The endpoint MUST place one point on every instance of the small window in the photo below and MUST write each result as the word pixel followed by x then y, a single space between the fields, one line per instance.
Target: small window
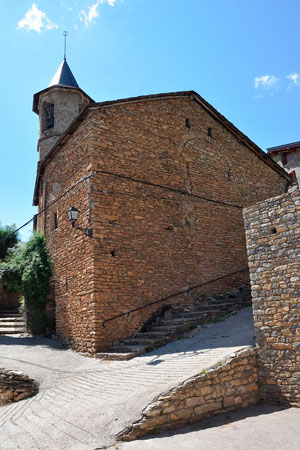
pixel 289 157
pixel 35 219
pixel 54 222
pixel 48 116
pixel 283 159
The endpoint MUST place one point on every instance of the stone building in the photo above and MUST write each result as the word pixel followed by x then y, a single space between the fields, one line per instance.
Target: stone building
pixel 288 157
pixel 160 181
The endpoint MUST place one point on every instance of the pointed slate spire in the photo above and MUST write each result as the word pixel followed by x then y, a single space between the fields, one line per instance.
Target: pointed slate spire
pixel 64 76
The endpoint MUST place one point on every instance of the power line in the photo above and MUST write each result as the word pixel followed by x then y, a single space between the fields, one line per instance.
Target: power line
pixel 180 191
pixel 134 180
pixel 48 206
pixel 18 229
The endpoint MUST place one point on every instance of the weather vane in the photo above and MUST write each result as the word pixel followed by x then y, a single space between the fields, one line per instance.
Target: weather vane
pixel 65 34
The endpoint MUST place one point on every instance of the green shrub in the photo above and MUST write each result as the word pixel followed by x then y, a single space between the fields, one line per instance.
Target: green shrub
pixel 28 271
pixel 8 239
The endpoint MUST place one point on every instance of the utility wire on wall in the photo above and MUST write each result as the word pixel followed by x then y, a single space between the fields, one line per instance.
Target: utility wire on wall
pixel 134 180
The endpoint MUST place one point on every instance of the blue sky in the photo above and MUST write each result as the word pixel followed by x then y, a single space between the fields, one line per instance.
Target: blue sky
pixel 241 55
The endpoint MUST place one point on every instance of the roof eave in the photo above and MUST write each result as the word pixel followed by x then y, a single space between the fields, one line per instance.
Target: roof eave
pixel 35 106
pixel 284 148
pixel 241 137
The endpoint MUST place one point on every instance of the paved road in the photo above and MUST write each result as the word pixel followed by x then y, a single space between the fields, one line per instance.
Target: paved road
pixel 84 402
pixel 260 427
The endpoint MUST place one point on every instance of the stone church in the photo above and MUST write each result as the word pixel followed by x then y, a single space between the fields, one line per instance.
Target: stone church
pixel 159 183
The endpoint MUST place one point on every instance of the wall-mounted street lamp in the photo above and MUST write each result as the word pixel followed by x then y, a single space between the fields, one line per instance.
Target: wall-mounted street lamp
pixel 72 216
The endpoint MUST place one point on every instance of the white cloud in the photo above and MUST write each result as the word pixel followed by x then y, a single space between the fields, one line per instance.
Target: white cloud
pixel 36 20
pixel 295 78
pixel 87 17
pixel 67 8
pixel 266 82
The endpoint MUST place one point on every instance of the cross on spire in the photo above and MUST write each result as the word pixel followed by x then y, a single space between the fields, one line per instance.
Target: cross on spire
pixel 65 34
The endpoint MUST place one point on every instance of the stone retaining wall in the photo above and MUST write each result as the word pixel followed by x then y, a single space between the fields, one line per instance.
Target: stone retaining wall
pixel 229 385
pixel 273 243
pixel 15 386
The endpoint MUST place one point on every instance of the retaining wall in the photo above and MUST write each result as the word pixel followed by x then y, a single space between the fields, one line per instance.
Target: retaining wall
pixel 228 386
pixel 15 386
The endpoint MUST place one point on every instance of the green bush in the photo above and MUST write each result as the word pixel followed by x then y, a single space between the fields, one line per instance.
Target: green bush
pixel 8 239
pixel 28 271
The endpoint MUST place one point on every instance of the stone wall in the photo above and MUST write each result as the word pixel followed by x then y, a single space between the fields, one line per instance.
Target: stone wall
pixel 230 385
pixel 273 243
pixel 71 251
pixel 15 386
pixel 154 232
pixel 67 105
pixel 294 164
pixel 152 241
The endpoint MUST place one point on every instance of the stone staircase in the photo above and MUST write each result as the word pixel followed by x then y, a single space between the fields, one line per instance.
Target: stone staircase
pixel 172 324
pixel 11 322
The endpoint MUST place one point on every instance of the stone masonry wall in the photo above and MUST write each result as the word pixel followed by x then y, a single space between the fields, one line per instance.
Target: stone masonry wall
pixel 149 240
pixel 273 243
pixel 231 385
pixel 294 164
pixel 67 105
pixel 71 251
pixel 15 386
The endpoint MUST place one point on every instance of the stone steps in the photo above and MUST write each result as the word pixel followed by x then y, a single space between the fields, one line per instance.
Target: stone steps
pixel 172 328
pixel 13 313
pixel 12 330
pixel 11 322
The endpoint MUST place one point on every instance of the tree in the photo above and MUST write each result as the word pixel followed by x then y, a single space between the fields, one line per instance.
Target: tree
pixel 8 239
pixel 28 271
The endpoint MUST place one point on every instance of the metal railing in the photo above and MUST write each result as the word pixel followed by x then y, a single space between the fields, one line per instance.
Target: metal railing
pixel 182 291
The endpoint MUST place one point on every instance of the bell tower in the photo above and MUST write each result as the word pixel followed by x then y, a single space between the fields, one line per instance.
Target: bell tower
pixel 57 106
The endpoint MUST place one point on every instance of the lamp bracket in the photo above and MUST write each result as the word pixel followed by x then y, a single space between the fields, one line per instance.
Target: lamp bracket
pixel 87 231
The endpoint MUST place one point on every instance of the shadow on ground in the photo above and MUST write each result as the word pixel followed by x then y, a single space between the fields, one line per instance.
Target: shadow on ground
pixel 223 420
pixel 30 341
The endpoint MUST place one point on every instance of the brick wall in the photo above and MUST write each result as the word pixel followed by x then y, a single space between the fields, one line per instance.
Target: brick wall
pixel 148 241
pixel 273 243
